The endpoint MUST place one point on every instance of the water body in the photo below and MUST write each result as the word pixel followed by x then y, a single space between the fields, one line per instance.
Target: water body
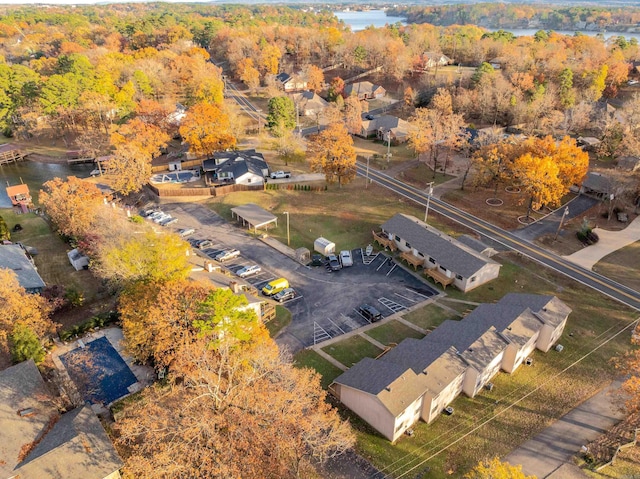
pixel 35 174
pixel 378 18
pixel 361 20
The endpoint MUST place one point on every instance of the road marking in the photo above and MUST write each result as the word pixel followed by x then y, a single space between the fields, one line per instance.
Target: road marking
pixel 341 330
pixel 404 297
pixel 319 334
pixel 392 305
pixel 392 268
pixel 378 268
pixel 362 316
pixel 482 227
pixel 419 294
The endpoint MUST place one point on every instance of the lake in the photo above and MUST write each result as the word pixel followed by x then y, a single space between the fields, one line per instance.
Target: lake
pixel 361 20
pixel 35 174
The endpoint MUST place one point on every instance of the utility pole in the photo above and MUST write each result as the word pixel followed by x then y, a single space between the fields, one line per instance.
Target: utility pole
pixel 564 214
pixel 258 111
pixel 366 185
pixel 388 146
pixel 426 211
pixel 288 242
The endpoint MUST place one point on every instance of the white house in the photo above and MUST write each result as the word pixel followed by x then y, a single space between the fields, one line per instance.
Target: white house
pixel 243 167
pixel 290 83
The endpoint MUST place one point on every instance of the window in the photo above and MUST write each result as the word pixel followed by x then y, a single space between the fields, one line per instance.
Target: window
pixel 400 426
pixel 431 260
pixel 398 238
pixel 443 268
pixel 421 255
pixel 248 180
pixel 459 277
pixel 408 245
pixel 473 278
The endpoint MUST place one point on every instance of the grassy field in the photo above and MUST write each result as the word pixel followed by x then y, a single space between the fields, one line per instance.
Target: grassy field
pixel 420 176
pixel 310 359
pixel 393 332
pixel 622 266
pixel 430 316
pixel 52 261
pixel 281 321
pixel 521 404
pixel 352 350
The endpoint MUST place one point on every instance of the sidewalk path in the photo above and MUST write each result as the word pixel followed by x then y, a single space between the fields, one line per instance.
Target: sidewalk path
pixel 610 241
pixel 552 448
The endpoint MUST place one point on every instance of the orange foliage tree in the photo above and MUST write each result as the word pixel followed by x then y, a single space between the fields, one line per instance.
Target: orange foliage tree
pixel 207 129
pixel 495 469
pixel 332 153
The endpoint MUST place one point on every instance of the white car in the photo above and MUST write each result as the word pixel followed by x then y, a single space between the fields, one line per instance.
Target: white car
pixel 227 255
pixel 161 218
pixel 345 258
pixel 249 271
pixel 184 232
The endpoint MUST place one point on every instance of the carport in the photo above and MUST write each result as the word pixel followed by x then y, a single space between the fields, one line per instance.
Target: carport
pixel 253 215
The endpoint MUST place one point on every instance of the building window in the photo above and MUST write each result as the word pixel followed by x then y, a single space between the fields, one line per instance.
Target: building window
pixel 400 426
pixel 408 245
pixel 420 254
pixel 473 278
pixel 398 238
pixel 443 268
pixel 248 180
pixel 431 260
pixel 459 277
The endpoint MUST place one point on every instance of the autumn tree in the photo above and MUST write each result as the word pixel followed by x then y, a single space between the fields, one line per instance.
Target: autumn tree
pixel 145 138
pixel 249 74
pixel 496 469
pixel 315 79
pixel 332 153
pixel 207 129
pixel 282 115
pixel 231 393
pixel 353 114
pixel 22 316
pixel 336 88
pixel 130 169
pixel 71 205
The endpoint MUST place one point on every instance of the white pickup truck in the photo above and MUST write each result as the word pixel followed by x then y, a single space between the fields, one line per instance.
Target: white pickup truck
pixel 280 174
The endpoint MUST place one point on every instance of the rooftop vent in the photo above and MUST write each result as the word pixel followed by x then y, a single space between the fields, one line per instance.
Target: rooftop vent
pixel 26 412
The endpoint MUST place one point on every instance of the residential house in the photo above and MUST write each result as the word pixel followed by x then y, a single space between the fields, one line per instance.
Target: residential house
pixel 242 167
pixel 291 83
pixel 38 441
pixel 629 163
pixel 418 378
pixel 309 103
pixel 19 195
pixel 384 125
pixel 365 90
pixel 445 259
pixel 597 185
pixel 13 257
pixel 434 59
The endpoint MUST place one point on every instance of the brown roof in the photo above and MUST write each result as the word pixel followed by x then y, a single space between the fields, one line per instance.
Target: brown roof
pixel 22 189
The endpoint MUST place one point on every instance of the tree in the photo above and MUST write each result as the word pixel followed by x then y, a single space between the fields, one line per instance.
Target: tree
pixel 231 394
pixel 353 114
pixel 71 205
pixel 315 79
pixel 495 469
pixel 130 169
pixel 249 74
pixel 289 147
pixel 332 153
pixel 5 234
pixel 145 138
pixel 21 310
pixel 282 115
pixel 207 129
pixel 567 96
pixel 147 256
pixel 336 88
pixel 24 345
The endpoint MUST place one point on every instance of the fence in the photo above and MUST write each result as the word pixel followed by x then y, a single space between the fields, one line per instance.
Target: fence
pixel 620 448
pixel 184 163
pixel 212 191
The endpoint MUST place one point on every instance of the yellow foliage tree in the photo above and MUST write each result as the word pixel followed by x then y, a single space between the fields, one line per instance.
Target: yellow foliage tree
pixel 332 153
pixel 207 129
pixel 495 469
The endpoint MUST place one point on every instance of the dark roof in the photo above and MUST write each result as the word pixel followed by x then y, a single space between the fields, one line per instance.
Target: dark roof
pixel 361 87
pixel 597 182
pixel 239 162
pixel 14 258
pixel 371 375
pixel 447 252
pixel 473 243
pixel 283 77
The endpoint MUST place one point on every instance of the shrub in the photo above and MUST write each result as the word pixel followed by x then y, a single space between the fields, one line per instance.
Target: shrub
pixel 24 344
pixel 99 321
pixel 5 234
pixel 137 219
pixel 74 296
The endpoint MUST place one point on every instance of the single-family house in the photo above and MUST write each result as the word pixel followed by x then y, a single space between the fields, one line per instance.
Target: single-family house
pixel 418 378
pixel 434 59
pixel 290 83
pixel 242 167
pixel 309 103
pixel 38 441
pixel 384 125
pixel 445 259
pixel 629 163
pixel 365 90
pixel 14 258
pixel 597 185
pixel 19 195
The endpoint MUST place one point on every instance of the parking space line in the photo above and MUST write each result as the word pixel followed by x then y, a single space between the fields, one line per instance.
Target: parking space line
pixel 319 333
pixel 378 268
pixel 341 330
pixel 392 305
pixel 419 294
pixel 362 316
pixel 404 297
pixel 292 299
pixel 392 268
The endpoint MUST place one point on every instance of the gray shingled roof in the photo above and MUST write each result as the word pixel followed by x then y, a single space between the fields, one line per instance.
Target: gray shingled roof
pixel 597 182
pixel 473 243
pixel 238 162
pixel 361 88
pixel 13 257
pixel 447 251
pixel 371 376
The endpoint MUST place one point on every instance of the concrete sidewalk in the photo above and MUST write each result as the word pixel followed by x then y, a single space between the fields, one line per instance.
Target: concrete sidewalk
pixel 550 450
pixel 610 241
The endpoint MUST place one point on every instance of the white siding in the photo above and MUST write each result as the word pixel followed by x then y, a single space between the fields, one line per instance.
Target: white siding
pixel 369 408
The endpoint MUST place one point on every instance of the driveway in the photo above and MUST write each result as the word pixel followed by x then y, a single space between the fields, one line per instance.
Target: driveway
pixel 547 452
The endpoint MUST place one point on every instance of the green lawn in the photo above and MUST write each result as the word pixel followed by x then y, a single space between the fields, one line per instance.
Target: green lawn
pixel 310 359
pixel 281 321
pixel 462 308
pixel 622 266
pixel 420 176
pixel 393 332
pixel 352 350
pixel 430 316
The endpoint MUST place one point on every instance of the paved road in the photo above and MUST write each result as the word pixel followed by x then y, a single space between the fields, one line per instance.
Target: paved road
pixel 509 240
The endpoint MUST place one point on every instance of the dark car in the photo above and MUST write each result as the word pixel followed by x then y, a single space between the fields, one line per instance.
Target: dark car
pixel 334 262
pixel 370 313
pixel 285 295
pixel 205 243
pixel 317 260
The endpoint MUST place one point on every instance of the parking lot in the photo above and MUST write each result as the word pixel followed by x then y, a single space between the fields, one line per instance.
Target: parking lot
pixel 327 302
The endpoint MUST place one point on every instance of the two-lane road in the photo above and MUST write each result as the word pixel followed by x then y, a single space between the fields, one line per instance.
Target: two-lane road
pixel 600 283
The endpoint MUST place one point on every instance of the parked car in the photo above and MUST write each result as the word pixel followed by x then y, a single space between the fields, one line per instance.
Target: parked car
pixel 285 295
pixel 159 219
pixel 205 243
pixel 280 174
pixel 249 271
pixel 370 313
pixel 275 286
pixel 184 232
pixel 155 214
pixel 345 258
pixel 227 255
pixel 317 260
pixel 168 221
pixel 334 262
pixel 147 212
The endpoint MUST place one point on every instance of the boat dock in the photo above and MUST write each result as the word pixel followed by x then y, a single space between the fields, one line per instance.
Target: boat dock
pixel 10 153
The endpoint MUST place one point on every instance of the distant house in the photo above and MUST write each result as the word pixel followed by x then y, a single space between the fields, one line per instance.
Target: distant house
pixel 38 441
pixel 386 124
pixel 445 259
pixel 291 83
pixel 309 103
pixel 629 163
pixel 434 59
pixel 20 195
pixel 176 116
pixel 597 185
pixel 418 378
pixel 365 90
pixel 13 257
pixel 243 167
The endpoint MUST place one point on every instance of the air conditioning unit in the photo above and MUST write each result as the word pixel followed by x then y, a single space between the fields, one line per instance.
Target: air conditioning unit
pixel 528 361
pixel 559 348
pixel 489 386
